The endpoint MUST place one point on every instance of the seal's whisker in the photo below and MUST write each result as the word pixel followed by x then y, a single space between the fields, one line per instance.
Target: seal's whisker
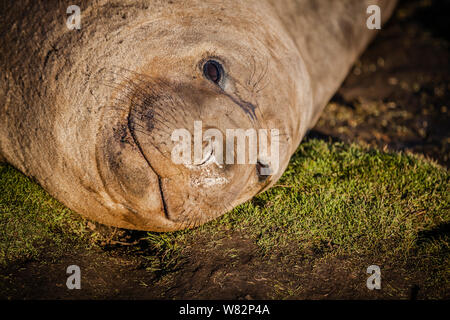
pixel 263 74
pixel 155 109
pixel 144 89
pixel 144 95
pixel 253 67
pixel 157 149
pixel 265 85
pixel 159 121
pixel 145 132
pixel 128 70
pixel 280 135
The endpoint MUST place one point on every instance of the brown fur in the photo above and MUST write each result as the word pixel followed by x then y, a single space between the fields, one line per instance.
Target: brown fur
pixel 89 113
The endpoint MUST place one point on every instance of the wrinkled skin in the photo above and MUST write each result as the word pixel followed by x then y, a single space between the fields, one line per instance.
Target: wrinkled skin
pixel 89 113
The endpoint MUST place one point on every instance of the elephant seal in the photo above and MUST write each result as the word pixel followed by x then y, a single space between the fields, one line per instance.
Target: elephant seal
pixel 90 113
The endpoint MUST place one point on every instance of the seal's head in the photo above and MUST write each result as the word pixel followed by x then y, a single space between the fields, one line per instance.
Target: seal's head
pixel 207 120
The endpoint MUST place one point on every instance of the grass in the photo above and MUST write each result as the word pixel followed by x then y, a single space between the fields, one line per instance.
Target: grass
pixel 341 198
pixel 333 197
pixel 32 223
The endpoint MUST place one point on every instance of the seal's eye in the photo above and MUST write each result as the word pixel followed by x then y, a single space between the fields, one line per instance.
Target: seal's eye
pixel 213 71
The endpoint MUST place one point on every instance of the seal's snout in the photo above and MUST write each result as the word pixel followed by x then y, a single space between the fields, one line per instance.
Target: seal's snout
pixel 181 123
pixel 173 137
pixel 263 170
pixel 166 150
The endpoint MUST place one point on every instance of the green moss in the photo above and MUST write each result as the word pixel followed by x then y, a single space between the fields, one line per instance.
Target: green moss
pixel 32 223
pixel 333 197
pixel 342 199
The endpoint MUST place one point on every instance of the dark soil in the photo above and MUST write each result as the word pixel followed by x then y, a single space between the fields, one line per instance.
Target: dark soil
pixel 396 97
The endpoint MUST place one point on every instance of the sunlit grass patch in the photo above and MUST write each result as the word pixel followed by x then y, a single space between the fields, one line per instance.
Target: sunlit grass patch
pixel 32 223
pixel 333 197
pixel 340 198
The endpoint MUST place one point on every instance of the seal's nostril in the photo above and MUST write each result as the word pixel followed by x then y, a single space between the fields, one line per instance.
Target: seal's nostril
pixel 208 157
pixel 208 153
pixel 263 170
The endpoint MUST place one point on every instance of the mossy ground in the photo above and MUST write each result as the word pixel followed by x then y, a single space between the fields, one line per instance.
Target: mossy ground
pixel 32 222
pixel 334 199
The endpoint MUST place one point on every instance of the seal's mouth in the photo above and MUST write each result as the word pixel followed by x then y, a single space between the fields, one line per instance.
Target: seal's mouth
pixel 209 156
pixel 192 194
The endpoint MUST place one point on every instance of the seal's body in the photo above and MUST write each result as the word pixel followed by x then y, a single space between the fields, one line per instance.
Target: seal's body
pixel 89 113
